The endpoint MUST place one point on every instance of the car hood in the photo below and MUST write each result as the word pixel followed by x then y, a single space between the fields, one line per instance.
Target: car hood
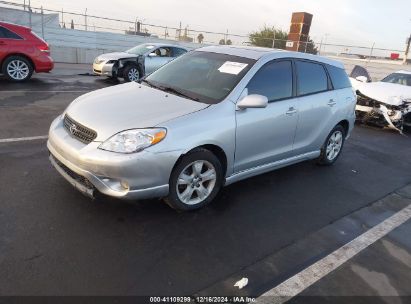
pixel 116 56
pixel 389 93
pixel 128 106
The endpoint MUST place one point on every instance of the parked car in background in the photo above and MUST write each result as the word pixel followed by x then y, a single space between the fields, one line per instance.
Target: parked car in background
pixel 137 62
pixel 212 117
pixel 385 103
pixel 22 52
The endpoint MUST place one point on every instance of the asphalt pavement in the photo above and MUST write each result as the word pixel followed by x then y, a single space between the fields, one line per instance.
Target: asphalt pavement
pixel 54 241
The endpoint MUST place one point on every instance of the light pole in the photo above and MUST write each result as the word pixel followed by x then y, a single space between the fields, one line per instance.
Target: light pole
pixel 407 50
pixel 325 40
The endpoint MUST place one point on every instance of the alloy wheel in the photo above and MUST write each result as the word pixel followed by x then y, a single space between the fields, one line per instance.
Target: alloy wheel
pixel 196 182
pixel 334 145
pixel 133 74
pixel 18 70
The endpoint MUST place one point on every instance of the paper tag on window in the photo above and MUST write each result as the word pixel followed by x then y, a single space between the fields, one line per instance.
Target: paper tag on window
pixel 234 68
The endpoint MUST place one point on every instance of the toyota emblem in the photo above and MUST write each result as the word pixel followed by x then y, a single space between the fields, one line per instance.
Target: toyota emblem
pixel 73 129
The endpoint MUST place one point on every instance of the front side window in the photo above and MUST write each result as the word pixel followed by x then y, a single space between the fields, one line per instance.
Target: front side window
pixel 274 80
pixel 311 78
pixel 398 78
pixel 203 76
pixel 162 52
pixel 339 77
pixel 141 49
pixel 178 52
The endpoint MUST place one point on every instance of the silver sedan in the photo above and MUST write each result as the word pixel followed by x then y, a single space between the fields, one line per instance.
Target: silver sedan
pixel 136 62
pixel 210 118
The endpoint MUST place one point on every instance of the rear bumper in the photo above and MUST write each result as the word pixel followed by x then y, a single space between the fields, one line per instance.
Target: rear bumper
pixel 44 64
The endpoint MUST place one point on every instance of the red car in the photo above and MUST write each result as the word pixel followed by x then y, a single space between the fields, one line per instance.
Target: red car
pixel 22 52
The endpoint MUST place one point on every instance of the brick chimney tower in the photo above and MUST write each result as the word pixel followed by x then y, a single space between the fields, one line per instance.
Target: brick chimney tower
pixel 299 31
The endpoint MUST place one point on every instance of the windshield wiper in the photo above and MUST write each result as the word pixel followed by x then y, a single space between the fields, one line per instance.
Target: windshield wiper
pixel 152 84
pixel 169 90
pixel 178 92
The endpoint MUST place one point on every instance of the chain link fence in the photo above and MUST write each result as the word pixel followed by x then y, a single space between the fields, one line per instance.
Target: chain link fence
pixel 42 17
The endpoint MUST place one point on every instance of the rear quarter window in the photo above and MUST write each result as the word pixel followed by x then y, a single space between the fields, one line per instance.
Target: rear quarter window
pixel 339 77
pixel 6 33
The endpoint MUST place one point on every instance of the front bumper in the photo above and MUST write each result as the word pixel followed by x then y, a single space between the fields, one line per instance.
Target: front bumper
pixel 135 176
pixel 104 69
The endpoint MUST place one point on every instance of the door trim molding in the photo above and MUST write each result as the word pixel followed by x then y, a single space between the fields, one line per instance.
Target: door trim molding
pixel 270 167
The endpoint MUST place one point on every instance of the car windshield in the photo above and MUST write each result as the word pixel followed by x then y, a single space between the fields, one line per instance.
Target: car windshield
pixel 399 78
pixel 201 76
pixel 140 49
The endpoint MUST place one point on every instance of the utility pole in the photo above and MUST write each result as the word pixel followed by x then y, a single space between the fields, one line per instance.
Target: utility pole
pixel 85 19
pixel 407 50
pixel 273 38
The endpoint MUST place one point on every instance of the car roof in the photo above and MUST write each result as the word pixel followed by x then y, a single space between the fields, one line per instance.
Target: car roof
pixel 257 53
pixel 157 44
pixel 404 72
pixel 13 25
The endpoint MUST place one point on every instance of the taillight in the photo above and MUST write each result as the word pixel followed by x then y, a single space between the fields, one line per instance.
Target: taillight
pixel 44 48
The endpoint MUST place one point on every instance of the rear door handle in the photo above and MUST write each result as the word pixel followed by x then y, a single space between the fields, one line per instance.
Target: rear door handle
pixel 291 111
pixel 332 102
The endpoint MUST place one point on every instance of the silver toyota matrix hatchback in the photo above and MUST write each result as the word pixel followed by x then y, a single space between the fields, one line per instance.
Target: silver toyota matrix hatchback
pixel 207 119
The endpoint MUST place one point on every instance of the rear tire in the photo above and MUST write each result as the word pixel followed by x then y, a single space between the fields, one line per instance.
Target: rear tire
pixel 195 181
pixel 17 69
pixel 332 147
pixel 132 73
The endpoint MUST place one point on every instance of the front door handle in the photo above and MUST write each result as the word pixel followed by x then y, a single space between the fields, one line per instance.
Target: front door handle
pixel 332 102
pixel 291 111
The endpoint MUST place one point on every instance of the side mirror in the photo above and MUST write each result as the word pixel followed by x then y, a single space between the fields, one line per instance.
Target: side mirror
pixel 361 78
pixel 253 101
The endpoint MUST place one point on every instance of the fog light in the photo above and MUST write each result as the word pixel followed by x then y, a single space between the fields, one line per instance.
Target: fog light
pixel 124 184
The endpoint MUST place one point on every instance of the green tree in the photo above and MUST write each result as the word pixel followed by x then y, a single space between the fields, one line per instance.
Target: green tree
pixel 222 42
pixel 311 47
pixel 200 38
pixel 229 42
pixel 264 37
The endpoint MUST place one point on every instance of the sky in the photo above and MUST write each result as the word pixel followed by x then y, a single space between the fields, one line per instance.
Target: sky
pixel 358 22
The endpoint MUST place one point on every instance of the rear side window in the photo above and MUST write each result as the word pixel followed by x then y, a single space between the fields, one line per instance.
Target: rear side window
pixel 274 80
pixel 339 77
pixel 5 33
pixel 178 52
pixel 311 78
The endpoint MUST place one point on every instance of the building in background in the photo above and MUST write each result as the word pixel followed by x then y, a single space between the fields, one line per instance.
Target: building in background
pixel 299 31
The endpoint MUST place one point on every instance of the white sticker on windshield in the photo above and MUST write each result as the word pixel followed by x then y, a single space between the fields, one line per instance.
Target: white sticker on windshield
pixel 234 68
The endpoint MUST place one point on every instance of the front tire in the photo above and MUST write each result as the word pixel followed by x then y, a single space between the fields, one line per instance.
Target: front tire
pixel 195 181
pixel 332 147
pixel 131 73
pixel 17 69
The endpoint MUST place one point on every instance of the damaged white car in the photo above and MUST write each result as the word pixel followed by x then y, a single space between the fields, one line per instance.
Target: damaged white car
pixel 385 103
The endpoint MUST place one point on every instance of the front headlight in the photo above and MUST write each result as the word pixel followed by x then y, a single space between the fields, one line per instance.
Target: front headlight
pixel 135 140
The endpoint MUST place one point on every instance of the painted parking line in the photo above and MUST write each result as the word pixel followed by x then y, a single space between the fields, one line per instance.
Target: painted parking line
pixel 8 140
pixel 307 277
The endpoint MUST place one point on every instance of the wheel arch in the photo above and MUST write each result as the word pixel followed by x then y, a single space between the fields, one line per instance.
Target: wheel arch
pixel 346 125
pixel 18 55
pixel 215 149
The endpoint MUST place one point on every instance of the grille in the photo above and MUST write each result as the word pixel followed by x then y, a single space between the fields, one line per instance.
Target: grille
pixel 79 131
pixel 81 179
